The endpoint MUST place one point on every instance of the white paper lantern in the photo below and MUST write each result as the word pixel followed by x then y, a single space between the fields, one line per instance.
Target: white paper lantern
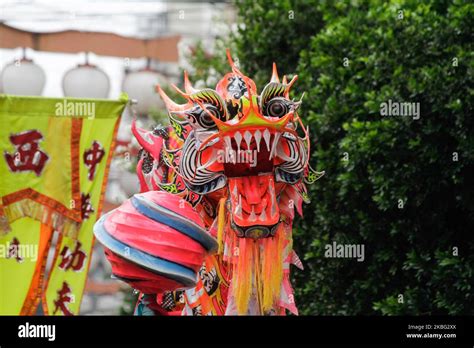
pixel 86 81
pixel 140 85
pixel 22 77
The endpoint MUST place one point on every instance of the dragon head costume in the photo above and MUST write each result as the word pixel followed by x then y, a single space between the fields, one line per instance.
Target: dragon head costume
pixel 211 231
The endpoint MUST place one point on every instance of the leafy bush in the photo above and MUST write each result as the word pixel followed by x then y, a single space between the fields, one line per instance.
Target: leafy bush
pixel 401 187
pixel 392 183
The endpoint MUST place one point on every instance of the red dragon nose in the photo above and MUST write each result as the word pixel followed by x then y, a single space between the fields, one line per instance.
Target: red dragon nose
pixel 253 201
pixel 252 190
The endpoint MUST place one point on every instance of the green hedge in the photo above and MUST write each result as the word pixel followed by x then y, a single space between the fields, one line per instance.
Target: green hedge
pixel 393 184
pixel 408 52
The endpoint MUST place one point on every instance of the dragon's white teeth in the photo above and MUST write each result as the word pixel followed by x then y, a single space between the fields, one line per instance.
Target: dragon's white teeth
pixel 228 143
pixel 248 138
pixel 263 216
pixel 271 190
pixel 280 152
pixel 208 163
pixel 238 211
pixel 234 191
pixel 252 216
pixel 258 136
pixel 273 210
pixel 212 142
pixel 238 139
pixel 266 137
pixel 289 136
pixel 274 145
pixel 238 208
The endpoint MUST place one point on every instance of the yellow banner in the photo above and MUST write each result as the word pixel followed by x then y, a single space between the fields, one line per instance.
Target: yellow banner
pixel 53 175
pixel 22 252
pixel 63 294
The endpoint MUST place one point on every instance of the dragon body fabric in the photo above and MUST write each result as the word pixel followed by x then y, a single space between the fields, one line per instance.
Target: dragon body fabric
pixel 211 231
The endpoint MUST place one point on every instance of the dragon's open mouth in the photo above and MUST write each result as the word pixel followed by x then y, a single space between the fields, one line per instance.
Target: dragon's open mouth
pixel 249 170
pixel 249 161
pixel 249 153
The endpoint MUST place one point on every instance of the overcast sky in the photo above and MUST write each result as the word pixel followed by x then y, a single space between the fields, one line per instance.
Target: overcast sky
pixel 116 16
pixel 137 18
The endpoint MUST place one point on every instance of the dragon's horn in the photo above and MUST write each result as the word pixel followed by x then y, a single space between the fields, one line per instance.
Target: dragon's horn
pixel 170 105
pixel 187 84
pixel 249 91
pixel 235 70
pixel 289 85
pixel 184 94
pixel 275 77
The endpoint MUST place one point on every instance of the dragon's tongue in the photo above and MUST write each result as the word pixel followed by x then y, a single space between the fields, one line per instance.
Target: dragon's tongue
pixel 253 200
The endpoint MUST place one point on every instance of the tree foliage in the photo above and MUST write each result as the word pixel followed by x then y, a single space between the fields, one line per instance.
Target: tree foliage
pixel 402 187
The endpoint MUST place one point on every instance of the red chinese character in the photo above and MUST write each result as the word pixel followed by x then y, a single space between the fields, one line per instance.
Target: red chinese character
pixel 64 297
pixel 14 250
pixel 28 156
pixel 72 259
pixel 92 158
pixel 86 206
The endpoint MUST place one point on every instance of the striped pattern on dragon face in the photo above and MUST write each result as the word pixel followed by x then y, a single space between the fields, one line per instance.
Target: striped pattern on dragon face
pixel 234 143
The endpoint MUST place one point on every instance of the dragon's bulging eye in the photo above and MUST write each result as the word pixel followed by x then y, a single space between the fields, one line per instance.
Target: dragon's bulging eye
pixel 205 118
pixel 277 107
pixel 201 117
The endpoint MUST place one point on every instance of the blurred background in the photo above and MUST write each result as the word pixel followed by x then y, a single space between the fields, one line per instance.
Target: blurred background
pixel 98 49
pixel 402 187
